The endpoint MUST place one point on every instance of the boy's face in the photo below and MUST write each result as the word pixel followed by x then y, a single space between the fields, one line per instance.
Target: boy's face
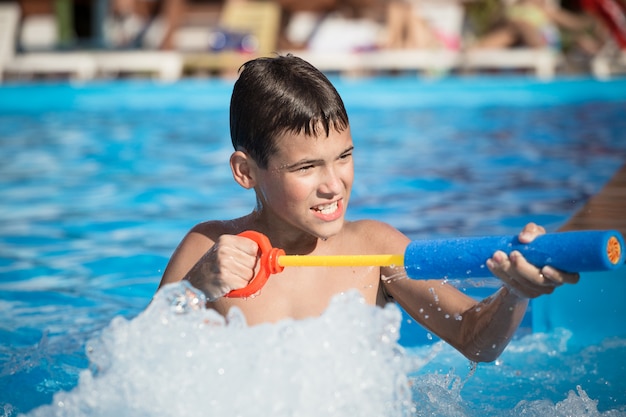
pixel 308 181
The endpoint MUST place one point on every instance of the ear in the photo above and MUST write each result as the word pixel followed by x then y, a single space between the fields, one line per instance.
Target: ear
pixel 244 169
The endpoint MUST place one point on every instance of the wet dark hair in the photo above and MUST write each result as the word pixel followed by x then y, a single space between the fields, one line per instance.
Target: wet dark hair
pixel 278 95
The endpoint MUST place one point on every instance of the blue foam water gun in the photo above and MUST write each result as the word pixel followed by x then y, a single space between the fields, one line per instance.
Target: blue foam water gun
pixel 576 251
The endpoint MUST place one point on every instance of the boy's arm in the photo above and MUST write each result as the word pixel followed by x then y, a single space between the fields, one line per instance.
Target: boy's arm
pixel 193 246
pixel 480 330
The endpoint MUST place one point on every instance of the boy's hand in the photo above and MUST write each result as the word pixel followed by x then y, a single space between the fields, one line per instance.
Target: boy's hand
pixel 522 278
pixel 228 265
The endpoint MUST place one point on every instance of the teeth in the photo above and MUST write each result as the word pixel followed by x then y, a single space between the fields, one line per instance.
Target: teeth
pixel 328 209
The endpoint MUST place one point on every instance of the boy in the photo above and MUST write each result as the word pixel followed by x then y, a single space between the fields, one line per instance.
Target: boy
pixel 293 146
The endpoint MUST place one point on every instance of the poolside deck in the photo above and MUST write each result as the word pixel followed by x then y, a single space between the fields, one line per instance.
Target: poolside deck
pixel 605 210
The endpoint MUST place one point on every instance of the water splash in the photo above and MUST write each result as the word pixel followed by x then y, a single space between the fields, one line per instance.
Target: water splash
pixel 177 358
pixel 536 376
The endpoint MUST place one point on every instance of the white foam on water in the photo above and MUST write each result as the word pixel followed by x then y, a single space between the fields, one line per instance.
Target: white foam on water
pixel 440 395
pixel 178 358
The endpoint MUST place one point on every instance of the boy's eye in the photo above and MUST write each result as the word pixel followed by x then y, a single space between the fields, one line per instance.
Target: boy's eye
pixel 347 154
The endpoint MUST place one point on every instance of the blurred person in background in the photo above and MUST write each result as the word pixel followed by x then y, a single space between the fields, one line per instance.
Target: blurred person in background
pixel 540 24
pixel 424 24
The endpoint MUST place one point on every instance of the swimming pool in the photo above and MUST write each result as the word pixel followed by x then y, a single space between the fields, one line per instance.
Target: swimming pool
pixel 100 182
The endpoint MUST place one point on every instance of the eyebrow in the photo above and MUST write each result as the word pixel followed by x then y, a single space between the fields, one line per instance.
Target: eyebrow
pixel 312 161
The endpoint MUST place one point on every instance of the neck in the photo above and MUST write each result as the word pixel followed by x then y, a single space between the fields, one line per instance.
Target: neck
pixel 283 235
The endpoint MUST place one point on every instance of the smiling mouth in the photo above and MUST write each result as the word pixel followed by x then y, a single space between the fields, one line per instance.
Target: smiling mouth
pixel 327 208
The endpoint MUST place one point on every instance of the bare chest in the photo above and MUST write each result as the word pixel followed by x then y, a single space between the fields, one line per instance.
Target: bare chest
pixel 300 292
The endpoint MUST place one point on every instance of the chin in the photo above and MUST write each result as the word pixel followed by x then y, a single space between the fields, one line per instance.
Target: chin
pixel 330 230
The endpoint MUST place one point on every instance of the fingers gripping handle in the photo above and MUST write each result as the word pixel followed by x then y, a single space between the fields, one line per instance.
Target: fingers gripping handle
pixel 268 264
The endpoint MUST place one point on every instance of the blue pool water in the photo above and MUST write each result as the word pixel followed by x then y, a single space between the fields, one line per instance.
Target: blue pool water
pixel 99 182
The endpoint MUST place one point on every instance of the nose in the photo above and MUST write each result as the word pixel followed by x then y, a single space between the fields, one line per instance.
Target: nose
pixel 330 183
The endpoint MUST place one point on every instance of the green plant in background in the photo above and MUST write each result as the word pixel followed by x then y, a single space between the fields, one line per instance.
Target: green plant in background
pixel 65 19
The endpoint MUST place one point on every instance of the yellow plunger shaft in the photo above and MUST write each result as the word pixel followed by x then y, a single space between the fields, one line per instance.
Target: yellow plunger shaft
pixel 341 260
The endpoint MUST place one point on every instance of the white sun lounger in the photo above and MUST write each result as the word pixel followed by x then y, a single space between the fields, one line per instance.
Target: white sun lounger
pixel 383 60
pixel 79 65
pixel 165 65
pixel 543 62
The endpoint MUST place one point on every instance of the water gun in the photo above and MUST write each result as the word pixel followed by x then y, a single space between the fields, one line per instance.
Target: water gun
pixel 576 251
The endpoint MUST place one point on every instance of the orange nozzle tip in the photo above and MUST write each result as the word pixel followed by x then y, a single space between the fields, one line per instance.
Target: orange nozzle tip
pixel 614 250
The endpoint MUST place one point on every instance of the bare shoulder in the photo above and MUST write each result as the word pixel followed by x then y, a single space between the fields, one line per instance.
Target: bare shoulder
pixel 370 226
pixel 210 230
pixel 203 236
pixel 378 236
pixel 194 245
